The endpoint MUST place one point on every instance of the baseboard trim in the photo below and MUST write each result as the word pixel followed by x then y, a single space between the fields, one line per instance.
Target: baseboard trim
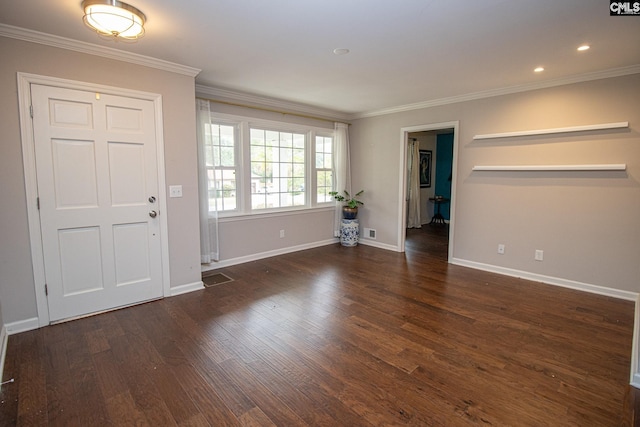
pixel 184 289
pixel 268 254
pixel 4 339
pixel 369 242
pixel 22 326
pixel 635 351
pixel 549 280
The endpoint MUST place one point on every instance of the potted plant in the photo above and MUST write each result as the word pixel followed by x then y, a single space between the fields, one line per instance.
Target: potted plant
pixel 351 203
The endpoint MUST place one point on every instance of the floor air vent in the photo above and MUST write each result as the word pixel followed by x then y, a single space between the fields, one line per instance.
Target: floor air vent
pixel 215 279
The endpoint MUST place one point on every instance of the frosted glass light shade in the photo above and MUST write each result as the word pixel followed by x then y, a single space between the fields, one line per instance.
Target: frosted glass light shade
pixel 114 18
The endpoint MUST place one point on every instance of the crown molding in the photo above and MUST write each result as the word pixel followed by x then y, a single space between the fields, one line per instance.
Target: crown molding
pixel 280 104
pixel 147 61
pixel 615 72
pixel 226 94
pixel 92 49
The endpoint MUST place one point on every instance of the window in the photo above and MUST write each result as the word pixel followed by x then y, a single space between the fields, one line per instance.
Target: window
pixel 221 167
pixel 277 169
pixel 324 168
pixel 261 165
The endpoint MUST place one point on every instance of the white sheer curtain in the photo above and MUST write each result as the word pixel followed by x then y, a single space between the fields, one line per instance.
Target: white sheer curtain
pixel 413 188
pixel 209 247
pixel 342 167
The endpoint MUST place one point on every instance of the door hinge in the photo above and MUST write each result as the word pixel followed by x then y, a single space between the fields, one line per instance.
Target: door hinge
pixel 38 202
pixel 31 111
pixel 46 290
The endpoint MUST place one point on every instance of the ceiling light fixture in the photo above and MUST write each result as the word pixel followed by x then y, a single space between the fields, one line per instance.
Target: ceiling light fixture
pixel 539 69
pixel 584 47
pixel 114 18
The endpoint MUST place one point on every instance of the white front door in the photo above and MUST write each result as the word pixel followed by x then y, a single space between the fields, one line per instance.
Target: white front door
pixel 97 182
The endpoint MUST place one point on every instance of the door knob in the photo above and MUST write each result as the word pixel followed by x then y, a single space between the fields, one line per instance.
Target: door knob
pixel 152 199
pixel 153 214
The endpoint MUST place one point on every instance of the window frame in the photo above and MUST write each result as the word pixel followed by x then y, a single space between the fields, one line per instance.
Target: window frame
pixel 235 167
pixel 316 169
pixel 243 126
pixel 280 162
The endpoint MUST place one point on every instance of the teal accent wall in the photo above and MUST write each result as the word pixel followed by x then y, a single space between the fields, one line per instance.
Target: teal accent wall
pixel 444 164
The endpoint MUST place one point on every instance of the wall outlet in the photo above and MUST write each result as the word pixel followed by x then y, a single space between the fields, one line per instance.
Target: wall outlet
pixel 539 256
pixel 501 249
pixel 281 234
pixel 369 233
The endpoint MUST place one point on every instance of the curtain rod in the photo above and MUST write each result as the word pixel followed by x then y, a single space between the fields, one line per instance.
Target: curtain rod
pixel 271 110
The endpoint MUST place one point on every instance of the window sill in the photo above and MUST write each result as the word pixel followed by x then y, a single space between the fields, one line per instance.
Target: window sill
pixel 272 213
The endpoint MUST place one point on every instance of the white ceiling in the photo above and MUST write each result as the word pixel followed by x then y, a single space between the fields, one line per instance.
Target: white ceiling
pixel 402 51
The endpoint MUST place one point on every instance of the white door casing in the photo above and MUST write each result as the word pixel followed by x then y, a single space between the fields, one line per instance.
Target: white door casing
pixel 402 191
pixel 97 160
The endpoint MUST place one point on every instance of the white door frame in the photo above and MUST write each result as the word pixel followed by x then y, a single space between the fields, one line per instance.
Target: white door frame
pixel 402 211
pixel 30 177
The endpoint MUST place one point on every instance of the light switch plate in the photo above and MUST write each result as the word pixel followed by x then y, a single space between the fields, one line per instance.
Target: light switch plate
pixel 175 191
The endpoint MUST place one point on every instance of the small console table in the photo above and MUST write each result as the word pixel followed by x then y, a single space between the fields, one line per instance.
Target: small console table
pixel 437 217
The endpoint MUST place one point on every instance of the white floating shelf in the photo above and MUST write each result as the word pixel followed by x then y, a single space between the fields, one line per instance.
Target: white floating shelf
pixel 524 168
pixel 602 126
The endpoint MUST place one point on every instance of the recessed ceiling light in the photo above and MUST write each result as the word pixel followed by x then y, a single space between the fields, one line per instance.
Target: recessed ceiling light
pixel 539 69
pixel 341 51
pixel 584 47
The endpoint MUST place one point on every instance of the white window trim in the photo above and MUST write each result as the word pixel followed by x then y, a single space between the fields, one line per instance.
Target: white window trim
pixel 315 170
pixel 237 155
pixel 243 125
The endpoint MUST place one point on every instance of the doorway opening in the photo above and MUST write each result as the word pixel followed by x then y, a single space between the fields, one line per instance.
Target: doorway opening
pixel 429 211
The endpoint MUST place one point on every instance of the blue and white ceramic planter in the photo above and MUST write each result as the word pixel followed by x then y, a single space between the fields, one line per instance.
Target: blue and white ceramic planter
pixel 349 232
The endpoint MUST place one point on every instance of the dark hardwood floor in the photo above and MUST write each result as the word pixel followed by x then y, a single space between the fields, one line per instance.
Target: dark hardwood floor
pixel 336 336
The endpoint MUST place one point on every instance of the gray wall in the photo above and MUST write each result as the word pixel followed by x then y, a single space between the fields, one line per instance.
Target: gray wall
pixel 16 277
pixel 587 223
